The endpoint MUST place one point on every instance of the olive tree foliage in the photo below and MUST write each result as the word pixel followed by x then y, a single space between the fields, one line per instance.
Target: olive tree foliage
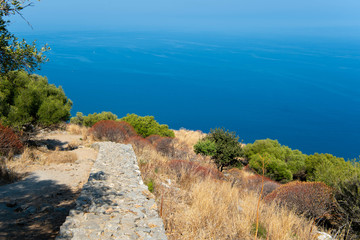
pixel 223 147
pixel 17 54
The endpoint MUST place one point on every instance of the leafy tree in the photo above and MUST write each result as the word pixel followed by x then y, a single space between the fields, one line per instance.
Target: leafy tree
pixel 146 126
pixel 15 54
pixel 30 100
pixel 227 147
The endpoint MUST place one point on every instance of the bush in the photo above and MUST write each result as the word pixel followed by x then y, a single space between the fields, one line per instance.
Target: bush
pixel 205 147
pixel 114 131
pixel 9 141
pixel 91 119
pixel 227 147
pixel 146 126
pixel 255 181
pixel 274 168
pixel 151 184
pixel 165 146
pixel 138 142
pixel 348 199
pixel 31 100
pixel 328 169
pixel 283 161
pixel 314 200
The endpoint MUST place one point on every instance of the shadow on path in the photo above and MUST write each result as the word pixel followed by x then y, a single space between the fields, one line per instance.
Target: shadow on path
pixel 33 208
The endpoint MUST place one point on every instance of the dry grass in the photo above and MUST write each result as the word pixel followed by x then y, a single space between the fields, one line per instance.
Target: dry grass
pixel 32 157
pixel 189 137
pixel 215 210
pixel 8 175
pixel 194 207
pixel 79 130
pixel 87 138
pixel 76 129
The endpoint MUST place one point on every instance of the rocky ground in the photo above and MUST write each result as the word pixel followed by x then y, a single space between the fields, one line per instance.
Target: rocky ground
pixel 114 203
pixel 36 206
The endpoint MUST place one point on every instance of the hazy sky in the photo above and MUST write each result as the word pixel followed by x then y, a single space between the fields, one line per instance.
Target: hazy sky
pixel 208 15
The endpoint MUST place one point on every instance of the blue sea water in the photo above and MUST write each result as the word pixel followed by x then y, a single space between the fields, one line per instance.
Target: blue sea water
pixel 303 91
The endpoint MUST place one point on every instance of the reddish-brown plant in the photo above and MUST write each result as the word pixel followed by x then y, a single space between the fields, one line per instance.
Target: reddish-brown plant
pixel 254 182
pixel 114 131
pixel 193 168
pixel 9 141
pixel 153 138
pixel 165 146
pixel 138 142
pixel 313 199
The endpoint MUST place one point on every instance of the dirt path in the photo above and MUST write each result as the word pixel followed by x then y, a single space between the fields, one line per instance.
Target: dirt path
pixel 35 207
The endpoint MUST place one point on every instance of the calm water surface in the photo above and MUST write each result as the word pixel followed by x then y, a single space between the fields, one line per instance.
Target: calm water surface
pixel 303 91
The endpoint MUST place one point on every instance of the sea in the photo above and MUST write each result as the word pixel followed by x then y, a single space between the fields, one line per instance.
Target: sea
pixel 303 91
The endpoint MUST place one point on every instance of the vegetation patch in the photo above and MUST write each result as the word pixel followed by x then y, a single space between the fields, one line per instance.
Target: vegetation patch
pixel 110 130
pixel 314 199
pixel 223 147
pixel 91 119
pixel 146 126
pixel 30 100
pixel 9 141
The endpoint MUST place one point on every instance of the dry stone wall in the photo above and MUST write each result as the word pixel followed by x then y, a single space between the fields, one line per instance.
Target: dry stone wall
pixel 114 203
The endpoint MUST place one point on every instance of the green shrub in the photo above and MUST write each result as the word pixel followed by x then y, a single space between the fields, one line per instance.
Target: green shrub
pixel 227 147
pixel 91 119
pixel 78 119
pixel 146 126
pixel 274 168
pixel 272 147
pixel 261 231
pixel 205 147
pixel 328 169
pixel 150 184
pixel 284 164
pixel 30 100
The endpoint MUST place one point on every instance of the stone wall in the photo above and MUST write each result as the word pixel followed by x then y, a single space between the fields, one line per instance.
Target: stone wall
pixel 114 203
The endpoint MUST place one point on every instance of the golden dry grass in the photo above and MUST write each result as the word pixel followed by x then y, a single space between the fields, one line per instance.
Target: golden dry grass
pixel 215 210
pixel 189 137
pixel 76 129
pixel 194 208
pixel 80 130
pixel 32 157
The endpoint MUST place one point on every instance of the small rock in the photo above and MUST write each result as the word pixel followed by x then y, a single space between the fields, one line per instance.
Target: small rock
pixel 11 204
pixel 323 236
